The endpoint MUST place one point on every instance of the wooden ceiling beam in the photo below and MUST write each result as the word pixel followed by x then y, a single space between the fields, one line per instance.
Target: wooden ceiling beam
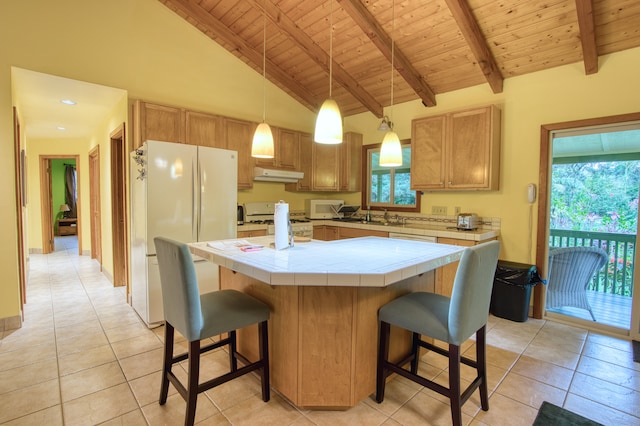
pixel 315 52
pixel 361 15
pixel 213 25
pixel 586 24
pixel 475 39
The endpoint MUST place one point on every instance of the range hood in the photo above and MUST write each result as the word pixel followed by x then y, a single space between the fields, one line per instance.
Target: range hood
pixel 272 175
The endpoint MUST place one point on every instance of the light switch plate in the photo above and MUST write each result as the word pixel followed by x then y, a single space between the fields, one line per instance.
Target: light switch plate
pixel 439 210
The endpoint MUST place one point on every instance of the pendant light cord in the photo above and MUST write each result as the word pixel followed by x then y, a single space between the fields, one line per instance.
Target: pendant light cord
pixel 330 45
pixel 393 27
pixel 264 63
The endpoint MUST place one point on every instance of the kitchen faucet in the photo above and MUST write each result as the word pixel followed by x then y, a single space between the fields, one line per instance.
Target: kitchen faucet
pixel 386 216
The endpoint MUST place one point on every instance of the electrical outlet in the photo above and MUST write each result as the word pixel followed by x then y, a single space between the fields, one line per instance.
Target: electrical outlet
pixel 439 210
pixel 457 209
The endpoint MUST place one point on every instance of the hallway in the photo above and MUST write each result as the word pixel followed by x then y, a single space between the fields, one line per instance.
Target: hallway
pixel 84 357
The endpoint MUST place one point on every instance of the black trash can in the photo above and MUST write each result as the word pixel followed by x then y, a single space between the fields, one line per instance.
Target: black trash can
pixel 512 286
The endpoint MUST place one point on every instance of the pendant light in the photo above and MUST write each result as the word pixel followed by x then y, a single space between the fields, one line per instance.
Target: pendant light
pixel 262 146
pixel 329 121
pixel 391 150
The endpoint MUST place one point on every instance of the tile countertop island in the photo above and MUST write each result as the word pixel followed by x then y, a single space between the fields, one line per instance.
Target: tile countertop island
pixel 324 299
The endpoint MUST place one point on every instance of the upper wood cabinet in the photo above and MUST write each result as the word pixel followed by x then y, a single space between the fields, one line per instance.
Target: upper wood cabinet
pixel 324 167
pixel 456 151
pixel 351 162
pixel 157 122
pixel 330 168
pixel 204 129
pixel 238 135
pixel 286 150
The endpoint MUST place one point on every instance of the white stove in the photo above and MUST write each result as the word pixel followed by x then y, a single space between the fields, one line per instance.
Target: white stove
pixel 262 213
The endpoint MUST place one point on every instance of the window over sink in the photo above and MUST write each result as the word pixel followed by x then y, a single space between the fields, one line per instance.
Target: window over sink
pixel 388 187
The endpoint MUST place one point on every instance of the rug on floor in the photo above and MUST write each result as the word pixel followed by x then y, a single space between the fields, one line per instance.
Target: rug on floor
pixel 552 415
pixel 636 351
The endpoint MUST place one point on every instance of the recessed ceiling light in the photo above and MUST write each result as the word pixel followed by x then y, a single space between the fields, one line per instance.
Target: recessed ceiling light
pixel 68 102
pixel 61 128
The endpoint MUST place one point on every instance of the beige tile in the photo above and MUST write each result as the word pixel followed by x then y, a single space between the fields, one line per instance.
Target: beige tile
pixel 133 418
pixel 495 356
pixel 425 410
pixel 544 372
pixel 598 412
pixel 29 400
pixel 555 356
pixel 605 393
pixel 89 381
pixel 147 388
pixel 142 364
pixel 610 372
pixel 78 330
pixel 529 391
pixel 173 412
pixel 470 407
pixel 83 343
pixel 29 375
pixel 100 406
pixel 396 394
pixel 20 339
pixel 611 355
pixel 136 345
pixel 86 359
pixel 26 356
pixel 361 414
pixel 234 392
pixel 613 342
pixel 51 416
pixel 505 411
pixel 254 411
pixel 127 332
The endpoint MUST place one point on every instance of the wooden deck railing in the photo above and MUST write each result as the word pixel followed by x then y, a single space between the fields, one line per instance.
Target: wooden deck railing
pixel 617 276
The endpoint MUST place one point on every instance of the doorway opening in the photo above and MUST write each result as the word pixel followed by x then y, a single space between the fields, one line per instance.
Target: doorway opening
pixel 591 200
pixel 59 199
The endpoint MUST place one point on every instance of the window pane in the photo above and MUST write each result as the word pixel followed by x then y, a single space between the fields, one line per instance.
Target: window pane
pixel 380 180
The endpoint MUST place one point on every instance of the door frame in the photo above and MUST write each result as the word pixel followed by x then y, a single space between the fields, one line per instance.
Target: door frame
pixel 119 224
pixel 544 192
pixel 21 203
pixel 95 215
pixel 48 237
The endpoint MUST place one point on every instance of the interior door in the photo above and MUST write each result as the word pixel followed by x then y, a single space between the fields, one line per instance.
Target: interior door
pixel 94 205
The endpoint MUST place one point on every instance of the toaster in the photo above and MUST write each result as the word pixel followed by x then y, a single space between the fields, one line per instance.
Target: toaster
pixel 467 221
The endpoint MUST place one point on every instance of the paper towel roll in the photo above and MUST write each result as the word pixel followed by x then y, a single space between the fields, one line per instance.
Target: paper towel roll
pixel 281 222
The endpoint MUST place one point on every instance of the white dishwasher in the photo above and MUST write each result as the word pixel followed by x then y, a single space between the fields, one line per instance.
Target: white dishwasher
pixel 424 238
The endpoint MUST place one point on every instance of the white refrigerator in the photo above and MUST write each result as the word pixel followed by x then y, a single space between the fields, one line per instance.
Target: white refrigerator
pixel 183 192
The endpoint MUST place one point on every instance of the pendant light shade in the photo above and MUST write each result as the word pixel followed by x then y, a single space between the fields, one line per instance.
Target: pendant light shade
pixel 329 120
pixel 391 150
pixel 262 146
pixel 328 124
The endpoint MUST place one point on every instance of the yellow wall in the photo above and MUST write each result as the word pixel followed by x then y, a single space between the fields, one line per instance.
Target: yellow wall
pixel 142 47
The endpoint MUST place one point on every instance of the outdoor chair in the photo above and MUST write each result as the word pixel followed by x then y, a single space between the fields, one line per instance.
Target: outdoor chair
pixel 569 272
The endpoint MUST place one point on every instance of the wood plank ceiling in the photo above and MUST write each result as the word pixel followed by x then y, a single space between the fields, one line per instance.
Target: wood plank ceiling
pixel 439 45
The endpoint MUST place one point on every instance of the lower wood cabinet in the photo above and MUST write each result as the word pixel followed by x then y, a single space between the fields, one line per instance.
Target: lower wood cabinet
pixel 249 234
pixel 330 233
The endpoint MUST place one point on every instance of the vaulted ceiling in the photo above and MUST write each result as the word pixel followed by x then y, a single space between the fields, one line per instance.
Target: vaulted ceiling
pixel 438 45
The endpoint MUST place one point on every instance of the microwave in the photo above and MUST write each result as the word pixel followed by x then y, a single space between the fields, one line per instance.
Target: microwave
pixel 322 209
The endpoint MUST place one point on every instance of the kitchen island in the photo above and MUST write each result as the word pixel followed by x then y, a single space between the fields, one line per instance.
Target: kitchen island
pixel 324 299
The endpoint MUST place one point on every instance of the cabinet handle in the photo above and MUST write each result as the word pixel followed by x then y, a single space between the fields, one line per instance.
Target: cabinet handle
pixel 450 182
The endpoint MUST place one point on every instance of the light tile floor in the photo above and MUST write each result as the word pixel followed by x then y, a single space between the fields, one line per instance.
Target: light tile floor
pixel 84 357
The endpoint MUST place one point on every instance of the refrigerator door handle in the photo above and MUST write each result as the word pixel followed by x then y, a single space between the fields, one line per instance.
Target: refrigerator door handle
pixel 194 201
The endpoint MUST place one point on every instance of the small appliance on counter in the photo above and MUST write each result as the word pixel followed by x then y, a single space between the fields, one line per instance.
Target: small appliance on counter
pixel 322 209
pixel 467 221
pixel 240 217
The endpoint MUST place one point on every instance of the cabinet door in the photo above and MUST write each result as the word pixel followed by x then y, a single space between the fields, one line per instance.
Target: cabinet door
pixel 356 233
pixel 249 234
pixel 157 122
pixel 238 137
pixel 288 149
pixel 351 162
pixel 325 167
pixel 428 153
pixel 473 149
pixel 447 274
pixel 204 130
